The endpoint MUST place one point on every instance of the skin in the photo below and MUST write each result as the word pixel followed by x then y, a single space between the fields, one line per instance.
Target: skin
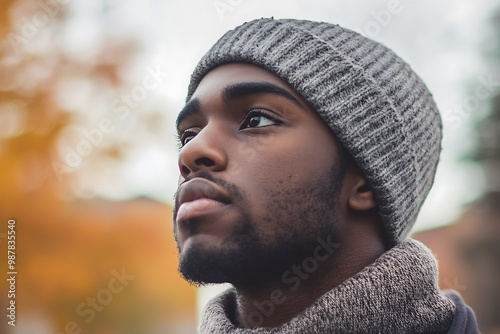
pixel 289 183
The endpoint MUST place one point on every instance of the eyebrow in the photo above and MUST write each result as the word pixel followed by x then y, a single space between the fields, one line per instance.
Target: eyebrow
pixel 243 89
pixel 191 108
pixel 238 91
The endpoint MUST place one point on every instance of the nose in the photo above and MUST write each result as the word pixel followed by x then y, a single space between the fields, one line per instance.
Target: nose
pixel 204 151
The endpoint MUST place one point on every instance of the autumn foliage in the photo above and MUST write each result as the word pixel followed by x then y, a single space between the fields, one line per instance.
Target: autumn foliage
pixel 70 248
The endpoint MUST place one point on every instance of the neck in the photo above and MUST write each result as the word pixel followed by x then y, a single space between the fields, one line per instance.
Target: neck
pixel 397 293
pixel 277 302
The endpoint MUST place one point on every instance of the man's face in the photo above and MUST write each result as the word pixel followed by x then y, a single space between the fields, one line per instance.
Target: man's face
pixel 261 178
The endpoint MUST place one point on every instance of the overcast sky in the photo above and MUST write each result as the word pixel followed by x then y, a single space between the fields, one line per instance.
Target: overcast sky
pixel 441 40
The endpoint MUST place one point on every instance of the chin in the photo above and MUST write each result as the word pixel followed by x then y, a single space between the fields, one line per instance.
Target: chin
pixel 202 265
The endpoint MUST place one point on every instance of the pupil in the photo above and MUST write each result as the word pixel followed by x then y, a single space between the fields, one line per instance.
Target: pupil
pixel 254 121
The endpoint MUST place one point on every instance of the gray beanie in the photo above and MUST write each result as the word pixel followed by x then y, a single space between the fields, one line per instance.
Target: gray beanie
pixel 377 107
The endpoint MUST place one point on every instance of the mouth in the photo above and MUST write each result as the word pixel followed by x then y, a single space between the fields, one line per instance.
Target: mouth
pixel 199 197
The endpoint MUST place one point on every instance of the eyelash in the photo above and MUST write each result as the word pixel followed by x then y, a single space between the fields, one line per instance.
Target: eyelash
pixel 182 137
pixel 259 112
pixel 252 113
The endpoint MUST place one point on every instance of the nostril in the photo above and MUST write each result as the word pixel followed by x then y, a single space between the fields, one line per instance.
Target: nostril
pixel 204 162
pixel 185 170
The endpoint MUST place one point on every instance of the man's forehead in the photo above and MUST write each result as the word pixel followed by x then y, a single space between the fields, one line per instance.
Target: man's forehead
pixel 233 73
pixel 233 80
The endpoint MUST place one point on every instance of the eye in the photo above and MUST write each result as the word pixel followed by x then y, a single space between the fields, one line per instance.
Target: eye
pixel 257 119
pixel 186 136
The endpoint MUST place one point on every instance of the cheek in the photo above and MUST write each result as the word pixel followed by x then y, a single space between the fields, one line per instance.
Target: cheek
pixel 295 157
pixel 277 169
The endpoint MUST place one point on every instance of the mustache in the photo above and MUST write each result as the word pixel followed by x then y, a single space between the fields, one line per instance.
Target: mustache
pixel 205 175
pixel 235 191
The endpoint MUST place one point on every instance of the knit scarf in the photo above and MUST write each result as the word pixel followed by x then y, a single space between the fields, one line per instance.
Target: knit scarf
pixel 397 293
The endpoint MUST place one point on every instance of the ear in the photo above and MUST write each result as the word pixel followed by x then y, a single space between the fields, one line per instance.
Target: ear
pixel 361 196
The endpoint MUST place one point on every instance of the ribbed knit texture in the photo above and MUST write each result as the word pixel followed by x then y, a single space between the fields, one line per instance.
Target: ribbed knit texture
pixel 375 104
pixel 398 293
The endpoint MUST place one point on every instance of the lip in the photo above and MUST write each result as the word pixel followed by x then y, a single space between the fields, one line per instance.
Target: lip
pixel 198 197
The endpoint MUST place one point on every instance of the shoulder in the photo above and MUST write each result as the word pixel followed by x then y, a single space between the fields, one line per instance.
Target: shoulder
pixel 464 319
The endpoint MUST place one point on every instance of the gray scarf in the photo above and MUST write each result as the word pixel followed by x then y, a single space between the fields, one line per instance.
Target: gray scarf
pixel 398 293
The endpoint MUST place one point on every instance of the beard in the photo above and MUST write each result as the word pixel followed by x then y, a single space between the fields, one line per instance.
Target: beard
pixel 299 216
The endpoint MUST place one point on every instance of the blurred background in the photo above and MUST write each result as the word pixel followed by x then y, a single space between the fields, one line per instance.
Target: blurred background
pixel 89 91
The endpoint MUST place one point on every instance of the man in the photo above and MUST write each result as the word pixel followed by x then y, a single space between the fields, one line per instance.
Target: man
pixel 306 153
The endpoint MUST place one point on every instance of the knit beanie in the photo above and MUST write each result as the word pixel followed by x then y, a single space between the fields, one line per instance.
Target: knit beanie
pixel 376 106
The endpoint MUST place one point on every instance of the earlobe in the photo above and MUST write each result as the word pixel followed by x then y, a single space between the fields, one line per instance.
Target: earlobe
pixel 361 197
